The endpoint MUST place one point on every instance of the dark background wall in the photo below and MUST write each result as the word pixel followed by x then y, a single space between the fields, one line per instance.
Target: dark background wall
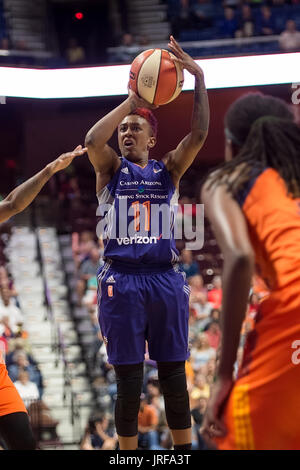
pixel 34 132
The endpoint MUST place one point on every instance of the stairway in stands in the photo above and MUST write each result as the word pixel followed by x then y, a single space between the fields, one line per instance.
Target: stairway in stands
pixel 27 22
pixel 149 18
pixel 36 267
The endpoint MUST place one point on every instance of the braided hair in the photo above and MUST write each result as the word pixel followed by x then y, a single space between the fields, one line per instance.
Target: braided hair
pixel 263 129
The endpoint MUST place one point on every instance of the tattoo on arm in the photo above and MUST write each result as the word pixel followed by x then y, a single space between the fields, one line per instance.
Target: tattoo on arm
pixel 200 119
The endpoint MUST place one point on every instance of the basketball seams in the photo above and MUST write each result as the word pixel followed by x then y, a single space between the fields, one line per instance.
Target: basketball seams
pixel 156 86
pixel 150 73
pixel 138 64
pixel 179 75
pixel 140 68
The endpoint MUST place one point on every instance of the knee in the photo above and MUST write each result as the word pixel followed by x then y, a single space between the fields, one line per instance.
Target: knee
pixel 129 386
pixel 172 380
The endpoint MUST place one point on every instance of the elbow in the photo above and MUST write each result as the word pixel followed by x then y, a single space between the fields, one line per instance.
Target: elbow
pixel 14 208
pixel 89 141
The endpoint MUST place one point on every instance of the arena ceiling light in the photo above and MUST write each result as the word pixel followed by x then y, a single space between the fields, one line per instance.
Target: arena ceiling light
pixel 112 80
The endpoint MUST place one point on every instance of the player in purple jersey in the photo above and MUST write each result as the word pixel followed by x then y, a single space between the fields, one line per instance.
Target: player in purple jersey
pixel 142 295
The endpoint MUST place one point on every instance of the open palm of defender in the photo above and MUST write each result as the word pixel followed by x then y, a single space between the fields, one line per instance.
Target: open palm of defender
pixel 64 160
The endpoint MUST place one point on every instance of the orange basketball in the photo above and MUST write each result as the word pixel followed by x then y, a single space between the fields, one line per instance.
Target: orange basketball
pixel 155 77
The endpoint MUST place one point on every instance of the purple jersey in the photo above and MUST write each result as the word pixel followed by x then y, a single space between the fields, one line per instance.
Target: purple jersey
pixel 139 205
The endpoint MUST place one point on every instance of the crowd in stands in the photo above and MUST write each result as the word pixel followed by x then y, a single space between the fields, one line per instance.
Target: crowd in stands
pixel 230 19
pixel 190 20
pixel 16 351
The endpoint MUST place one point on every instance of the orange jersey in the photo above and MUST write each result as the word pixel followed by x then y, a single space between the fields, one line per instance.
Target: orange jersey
pixel 10 400
pixel 263 410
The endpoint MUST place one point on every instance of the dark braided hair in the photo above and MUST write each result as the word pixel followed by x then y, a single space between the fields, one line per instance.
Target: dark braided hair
pixel 263 129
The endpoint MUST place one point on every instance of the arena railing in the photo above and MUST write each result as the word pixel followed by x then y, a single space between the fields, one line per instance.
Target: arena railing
pixel 59 348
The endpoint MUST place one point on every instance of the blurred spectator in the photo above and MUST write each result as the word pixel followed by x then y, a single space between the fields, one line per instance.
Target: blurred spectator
pixel 200 388
pixel 165 441
pixel 3 277
pixel 7 283
pixel 245 23
pixel 143 40
pixel 19 345
pixel 90 296
pixel 213 334
pixel 21 45
pixel 7 330
pixel 201 308
pixel 179 16
pixel 215 294
pixel 229 25
pixel 98 436
pixel 231 3
pixel 4 44
pixel 289 39
pixel 196 284
pixel 210 371
pixel 201 352
pixel 187 264
pixel 81 246
pixel 75 54
pixel 10 312
pixel 202 12
pixel 214 316
pixel 42 423
pixel 68 188
pixel 147 424
pixel 3 343
pixel 21 363
pixel 27 389
pixel 265 24
pixel 88 271
pixel 198 412
pixel 124 55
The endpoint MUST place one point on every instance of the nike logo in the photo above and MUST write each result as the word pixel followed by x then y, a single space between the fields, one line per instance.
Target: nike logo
pixel 157 171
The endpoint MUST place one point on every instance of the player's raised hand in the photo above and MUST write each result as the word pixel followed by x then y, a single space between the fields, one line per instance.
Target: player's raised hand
pixel 184 59
pixel 64 160
pixel 138 102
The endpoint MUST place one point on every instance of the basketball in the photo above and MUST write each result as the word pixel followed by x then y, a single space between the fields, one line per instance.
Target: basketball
pixel 155 77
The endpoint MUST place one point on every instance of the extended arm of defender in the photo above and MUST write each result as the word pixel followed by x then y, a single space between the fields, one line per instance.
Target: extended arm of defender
pixel 24 194
pixel 230 228
pixel 179 160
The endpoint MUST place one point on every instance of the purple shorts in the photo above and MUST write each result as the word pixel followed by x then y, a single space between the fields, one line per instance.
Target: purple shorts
pixel 134 307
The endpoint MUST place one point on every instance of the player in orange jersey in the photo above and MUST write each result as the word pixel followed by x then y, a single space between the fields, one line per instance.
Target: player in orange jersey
pixel 253 204
pixel 14 422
